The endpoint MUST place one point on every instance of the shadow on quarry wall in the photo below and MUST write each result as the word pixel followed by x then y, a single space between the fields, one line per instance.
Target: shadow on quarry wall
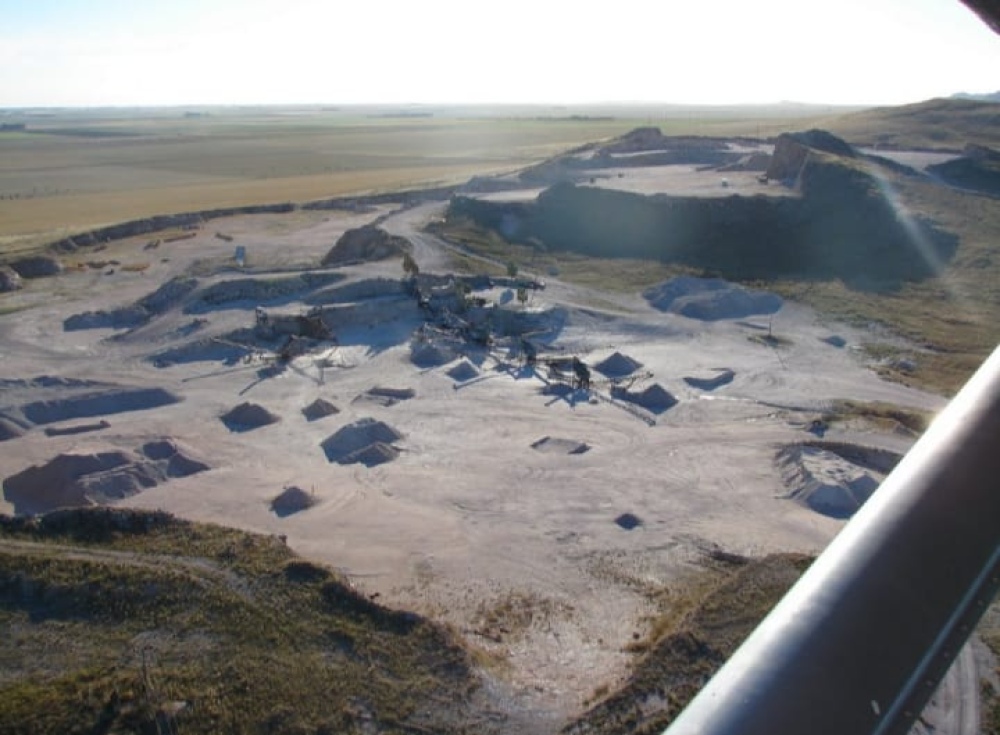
pixel 842 226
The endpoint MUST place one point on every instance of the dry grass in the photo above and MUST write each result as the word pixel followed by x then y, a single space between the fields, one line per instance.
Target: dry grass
pixel 112 617
pixel 512 614
pixel 933 124
pixel 57 184
pixel 33 222
pixel 880 415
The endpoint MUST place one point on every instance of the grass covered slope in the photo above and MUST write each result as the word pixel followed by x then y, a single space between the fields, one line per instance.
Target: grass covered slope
pixel 936 124
pixel 124 621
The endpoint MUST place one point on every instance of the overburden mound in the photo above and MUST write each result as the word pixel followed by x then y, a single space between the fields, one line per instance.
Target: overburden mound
pixel 830 478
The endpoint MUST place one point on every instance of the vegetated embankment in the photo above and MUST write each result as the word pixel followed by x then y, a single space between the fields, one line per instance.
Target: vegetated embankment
pixel 127 621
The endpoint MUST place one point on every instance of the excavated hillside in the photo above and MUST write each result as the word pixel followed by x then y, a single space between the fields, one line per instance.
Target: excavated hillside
pixel 841 226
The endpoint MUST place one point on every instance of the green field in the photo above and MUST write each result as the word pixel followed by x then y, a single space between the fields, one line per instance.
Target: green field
pixel 73 170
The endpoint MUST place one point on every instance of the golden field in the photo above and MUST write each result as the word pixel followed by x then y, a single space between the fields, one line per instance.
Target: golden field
pixel 71 171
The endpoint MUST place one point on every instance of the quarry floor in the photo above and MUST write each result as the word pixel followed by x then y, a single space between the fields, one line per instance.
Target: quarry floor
pixel 517 549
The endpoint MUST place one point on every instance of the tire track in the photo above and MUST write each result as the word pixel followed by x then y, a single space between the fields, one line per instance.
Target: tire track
pixel 202 569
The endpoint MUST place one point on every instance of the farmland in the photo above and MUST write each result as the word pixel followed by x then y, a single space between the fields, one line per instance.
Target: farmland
pixel 73 170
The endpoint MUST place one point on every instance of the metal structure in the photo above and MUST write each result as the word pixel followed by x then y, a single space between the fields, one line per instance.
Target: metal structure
pixel 861 642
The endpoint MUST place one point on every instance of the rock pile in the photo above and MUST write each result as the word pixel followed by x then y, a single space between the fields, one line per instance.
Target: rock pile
pixel 617 366
pixel 977 169
pixel 429 354
pixel 628 521
pixel 463 371
pixel 367 441
pixel 318 409
pixel 793 149
pixel 126 317
pixel 37 266
pixel 9 430
pixel 710 299
pixel 291 500
pixel 247 417
pixel 76 479
pixel 655 399
pixel 98 403
pixel 824 481
pixel 365 244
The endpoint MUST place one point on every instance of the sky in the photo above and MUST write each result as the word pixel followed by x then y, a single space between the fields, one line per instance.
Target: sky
pixel 187 52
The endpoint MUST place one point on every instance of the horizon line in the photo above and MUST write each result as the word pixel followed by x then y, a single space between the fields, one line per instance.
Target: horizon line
pixel 452 104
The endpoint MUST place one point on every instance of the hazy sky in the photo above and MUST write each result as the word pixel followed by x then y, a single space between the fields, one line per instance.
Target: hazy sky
pixel 153 52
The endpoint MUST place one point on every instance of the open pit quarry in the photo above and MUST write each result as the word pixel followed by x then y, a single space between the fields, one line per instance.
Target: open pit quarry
pixel 445 445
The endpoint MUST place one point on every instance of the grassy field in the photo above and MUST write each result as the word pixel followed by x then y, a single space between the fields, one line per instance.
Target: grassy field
pixel 69 171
